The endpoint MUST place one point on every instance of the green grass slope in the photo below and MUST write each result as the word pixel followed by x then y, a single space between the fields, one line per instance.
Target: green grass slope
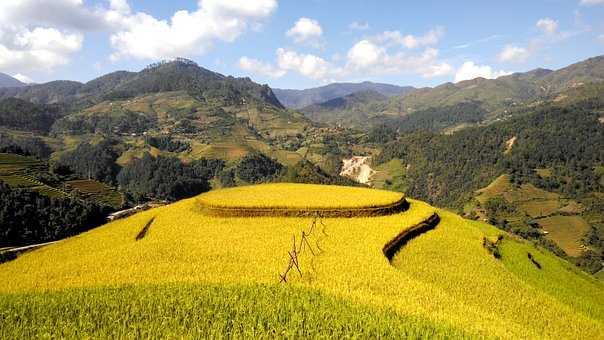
pixel 175 272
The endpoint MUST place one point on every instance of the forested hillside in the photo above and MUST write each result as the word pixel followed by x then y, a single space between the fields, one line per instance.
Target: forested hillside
pixel 556 146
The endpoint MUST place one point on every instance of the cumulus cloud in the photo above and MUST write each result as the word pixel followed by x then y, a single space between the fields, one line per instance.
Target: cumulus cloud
pixel 365 53
pixel 23 78
pixel 39 35
pixel 470 70
pixel 308 65
pixel 514 54
pixel 28 50
pixel 359 26
pixel 431 37
pixel 547 26
pixel 367 57
pixel 63 14
pixel 142 36
pixel 259 67
pixel 306 30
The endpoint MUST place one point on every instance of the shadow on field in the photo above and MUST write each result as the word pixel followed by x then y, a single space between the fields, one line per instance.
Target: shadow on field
pixel 392 247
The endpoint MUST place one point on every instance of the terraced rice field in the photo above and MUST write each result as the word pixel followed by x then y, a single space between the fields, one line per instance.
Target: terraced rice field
pixel 192 274
pixel 566 231
pixel 15 171
pixel 540 208
pixel 97 191
pixel 277 199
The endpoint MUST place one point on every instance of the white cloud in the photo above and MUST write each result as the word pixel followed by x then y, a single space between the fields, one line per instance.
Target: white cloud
pixel 363 58
pixel 39 35
pixel 514 54
pixel 365 53
pixel 470 70
pixel 389 53
pixel 64 14
pixel 306 30
pixel 601 38
pixel 547 26
pixel 42 34
pixel 431 37
pixel 308 65
pixel 258 67
pixel 359 26
pixel 142 36
pixel 366 57
pixel 23 78
pixel 120 6
pixel 592 2
pixel 37 49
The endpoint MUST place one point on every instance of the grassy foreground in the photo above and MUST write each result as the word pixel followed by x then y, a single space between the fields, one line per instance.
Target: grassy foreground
pixel 439 284
pixel 202 311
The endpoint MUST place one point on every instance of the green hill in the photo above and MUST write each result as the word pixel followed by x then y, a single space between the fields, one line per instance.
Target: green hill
pixel 174 271
pixel 351 110
pixel 457 105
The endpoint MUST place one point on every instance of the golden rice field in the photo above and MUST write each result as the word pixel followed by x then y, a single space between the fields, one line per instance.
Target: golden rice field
pixel 443 283
pixel 298 196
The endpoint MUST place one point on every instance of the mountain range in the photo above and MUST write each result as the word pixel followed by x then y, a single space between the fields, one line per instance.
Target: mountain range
pixel 487 99
pixel 298 99
pixel 8 81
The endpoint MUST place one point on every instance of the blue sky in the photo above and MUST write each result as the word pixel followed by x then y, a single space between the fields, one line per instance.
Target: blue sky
pixel 299 44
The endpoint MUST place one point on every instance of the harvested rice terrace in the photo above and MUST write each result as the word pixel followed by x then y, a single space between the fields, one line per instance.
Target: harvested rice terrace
pixel 300 200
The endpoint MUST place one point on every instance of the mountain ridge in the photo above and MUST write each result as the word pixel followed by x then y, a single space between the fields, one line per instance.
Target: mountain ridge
pixel 8 81
pixel 298 99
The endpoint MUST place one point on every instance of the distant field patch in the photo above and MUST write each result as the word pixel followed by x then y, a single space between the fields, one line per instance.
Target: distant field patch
pixel 544 173
pixel 540 208
pixel 390 175
pixel 572 208
pixel 528 192
pixel 97 191
pixel 10 163
pixel 289 199
pixel 566 231
pixel 497 188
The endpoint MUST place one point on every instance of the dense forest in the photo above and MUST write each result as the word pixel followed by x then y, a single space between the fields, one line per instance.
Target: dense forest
pixel 23 115
pixel 166 178
pixel 25 146
pixel 447 169
pixel 93 161
pixel 27 217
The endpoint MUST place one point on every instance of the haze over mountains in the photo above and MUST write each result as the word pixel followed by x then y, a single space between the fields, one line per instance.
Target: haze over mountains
pixel 487 99
pixel 8 81
pixel 297 99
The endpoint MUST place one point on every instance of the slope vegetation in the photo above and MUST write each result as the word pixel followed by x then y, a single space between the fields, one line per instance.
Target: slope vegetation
pixel 335 280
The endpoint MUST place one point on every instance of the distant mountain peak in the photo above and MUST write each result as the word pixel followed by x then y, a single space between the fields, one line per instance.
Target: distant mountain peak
pixel 8 81
pixel 176 61
pixel 302 98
